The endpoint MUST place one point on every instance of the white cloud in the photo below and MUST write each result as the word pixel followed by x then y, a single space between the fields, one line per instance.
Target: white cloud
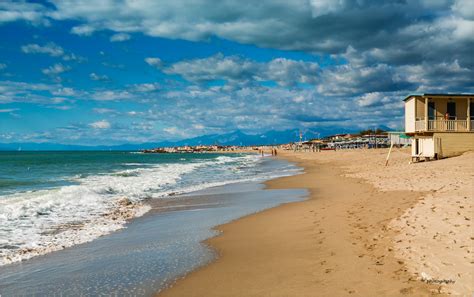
pixel 64 92
pixel 154 62
pixel 104 110
pixel 8 110
pixel 373 99
pixel 2 66
pixel 134 113
pixel 83 30
pixel 104 124
pixel 299 99
pixel 199 127
pixel 57 100
pixel 56 69
pixel 176 132
pixel 119 37
pixel 465 8
pixel 11 11
pixel 112 95
pixel 50 49
pixel 147 87
pixel 235 69
pixel 98 77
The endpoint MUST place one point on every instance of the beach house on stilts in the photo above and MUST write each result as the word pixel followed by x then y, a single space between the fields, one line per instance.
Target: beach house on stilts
pixel 441 125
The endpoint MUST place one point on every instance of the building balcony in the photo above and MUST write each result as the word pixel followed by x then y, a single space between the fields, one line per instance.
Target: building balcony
pixel 442 125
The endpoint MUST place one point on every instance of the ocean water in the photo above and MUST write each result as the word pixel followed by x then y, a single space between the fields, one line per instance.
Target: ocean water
pixel 63 229
pixel 53 200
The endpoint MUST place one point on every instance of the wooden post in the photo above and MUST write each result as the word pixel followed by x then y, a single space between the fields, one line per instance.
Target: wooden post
pixel 468 114
pixel 426 113
pixel 388 156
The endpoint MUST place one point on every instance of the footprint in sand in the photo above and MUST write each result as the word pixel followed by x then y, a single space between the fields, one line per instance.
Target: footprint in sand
pixel 407 291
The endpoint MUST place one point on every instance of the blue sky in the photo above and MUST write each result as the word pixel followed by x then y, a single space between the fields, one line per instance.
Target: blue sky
pixel 111 72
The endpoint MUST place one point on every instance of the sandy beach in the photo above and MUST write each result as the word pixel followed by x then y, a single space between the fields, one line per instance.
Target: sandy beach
pixel 365 230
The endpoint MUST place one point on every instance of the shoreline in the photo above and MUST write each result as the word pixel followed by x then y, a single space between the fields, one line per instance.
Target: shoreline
pixel 337 243
pixel 154 249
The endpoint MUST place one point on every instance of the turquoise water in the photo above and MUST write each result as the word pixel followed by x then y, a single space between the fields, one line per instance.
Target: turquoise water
pixel 53 200
pixel 21 171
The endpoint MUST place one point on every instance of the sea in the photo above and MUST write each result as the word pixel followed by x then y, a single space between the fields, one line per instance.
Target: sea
pixel 121 223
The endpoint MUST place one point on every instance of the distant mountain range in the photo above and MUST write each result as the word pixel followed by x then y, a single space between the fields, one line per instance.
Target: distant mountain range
pixel 234 138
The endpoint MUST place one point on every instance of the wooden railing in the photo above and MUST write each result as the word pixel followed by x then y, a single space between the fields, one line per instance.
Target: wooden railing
pixel 420 125
pixel 443 125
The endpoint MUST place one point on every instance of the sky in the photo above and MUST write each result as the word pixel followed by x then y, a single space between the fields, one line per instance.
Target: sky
pixel 131 71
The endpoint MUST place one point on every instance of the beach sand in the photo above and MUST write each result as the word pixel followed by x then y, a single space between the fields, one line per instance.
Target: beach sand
pixel 366 230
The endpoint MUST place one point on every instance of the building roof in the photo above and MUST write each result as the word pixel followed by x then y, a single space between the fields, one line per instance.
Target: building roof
pixel 438 95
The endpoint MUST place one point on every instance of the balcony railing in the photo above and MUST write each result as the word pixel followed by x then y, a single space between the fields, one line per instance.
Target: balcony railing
pixel 444 125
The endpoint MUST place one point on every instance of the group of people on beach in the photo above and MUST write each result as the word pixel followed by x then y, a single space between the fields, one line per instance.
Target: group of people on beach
pixel 274 152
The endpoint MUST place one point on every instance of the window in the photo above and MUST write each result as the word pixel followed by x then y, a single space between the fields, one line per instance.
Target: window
pixel 451 110
pixel 431 111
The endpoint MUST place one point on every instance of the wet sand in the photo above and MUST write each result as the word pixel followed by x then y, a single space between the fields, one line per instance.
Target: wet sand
pixel 339 242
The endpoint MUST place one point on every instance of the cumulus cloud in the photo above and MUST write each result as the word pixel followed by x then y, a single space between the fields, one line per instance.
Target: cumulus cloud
pixel 104 110
pixel 319 26
pixel 103 124
pixel 156 62
pixel 373 99
pixel 111 95
pixel 32 93
pixel 56 69
pixel 441 77
pixel 213 68
pixel 64 92
pixel 147 87
pixel 366 33
pixel 349 80
pixel 119 37
pixel 83 30
pixel 464 8
pixel 98 77
pixel 11 11
pixel 379 52
pixel 323 26
pixel 50 49
pixel 8 110
pixel 235 69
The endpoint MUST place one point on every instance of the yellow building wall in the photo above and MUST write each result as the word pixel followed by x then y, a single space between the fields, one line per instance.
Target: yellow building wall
pixel 420 108
pixel 454 144
pixel 441 106
pixel 461 109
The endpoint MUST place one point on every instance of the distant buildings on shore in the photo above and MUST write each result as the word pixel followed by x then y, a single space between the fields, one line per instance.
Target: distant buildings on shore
pixel 333 142
pixel 194 149
pixel 436 126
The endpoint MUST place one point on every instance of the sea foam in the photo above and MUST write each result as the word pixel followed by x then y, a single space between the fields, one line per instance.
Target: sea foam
pixel 38 222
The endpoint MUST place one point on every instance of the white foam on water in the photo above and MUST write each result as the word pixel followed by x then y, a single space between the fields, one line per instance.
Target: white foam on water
pixel 37 222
